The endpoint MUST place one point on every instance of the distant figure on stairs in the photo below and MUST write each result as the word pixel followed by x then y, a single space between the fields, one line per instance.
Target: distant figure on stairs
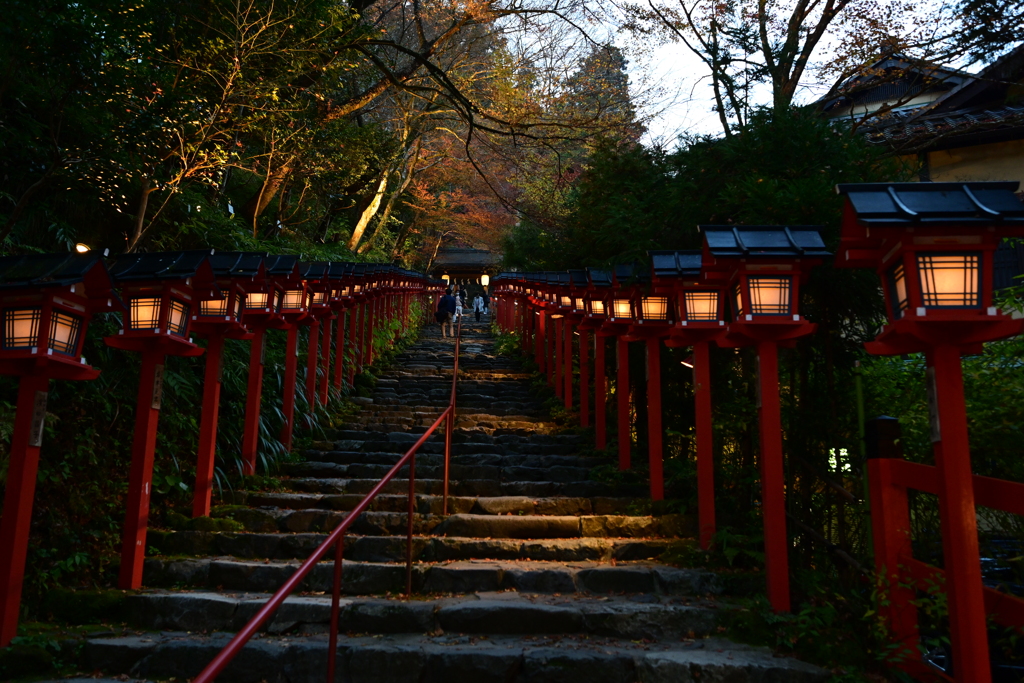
pixel 446 308
pixel 478 306
pixel 487 302
pixel 460 301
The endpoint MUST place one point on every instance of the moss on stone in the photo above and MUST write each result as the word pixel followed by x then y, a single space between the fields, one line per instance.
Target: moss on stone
pixel 84 606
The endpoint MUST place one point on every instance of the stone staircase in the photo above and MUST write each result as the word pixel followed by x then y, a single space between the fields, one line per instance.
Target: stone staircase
pixel 538 574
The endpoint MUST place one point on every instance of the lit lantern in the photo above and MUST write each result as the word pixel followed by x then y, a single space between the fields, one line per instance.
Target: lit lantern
pixel 262 312
pixel 932 245
pixel 340 277
pixel 161 289
pixel 218 319
pixel 46 301
pixel 763 267
pixel 699 321
pixel 485 279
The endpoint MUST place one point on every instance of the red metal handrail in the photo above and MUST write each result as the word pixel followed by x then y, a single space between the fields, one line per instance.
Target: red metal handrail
pixel 337 539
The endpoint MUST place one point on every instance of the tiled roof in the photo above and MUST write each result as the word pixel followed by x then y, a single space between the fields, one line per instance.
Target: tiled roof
pixel 912 130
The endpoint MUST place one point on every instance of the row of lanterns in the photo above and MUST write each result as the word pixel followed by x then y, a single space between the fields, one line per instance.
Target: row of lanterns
pixel 47 301
pixel 932 246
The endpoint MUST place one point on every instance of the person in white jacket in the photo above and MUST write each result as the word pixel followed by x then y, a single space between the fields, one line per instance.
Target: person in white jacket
pixel 478 306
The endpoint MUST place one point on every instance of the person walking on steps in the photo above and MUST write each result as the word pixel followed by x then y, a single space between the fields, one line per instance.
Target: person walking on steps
pixel 445 310
pixel 478 306
pixel 487 302
pixel 459 300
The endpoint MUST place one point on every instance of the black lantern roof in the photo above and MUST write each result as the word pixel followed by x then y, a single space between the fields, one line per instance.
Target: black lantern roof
pixel 314 270
pixel 599 278
pixel 684 263
pixel 52 270
pixel 626 274
pixel 161 265
pixel 237 263
pixel 338 269
pixel 281 265
pixel 906 204
pixel 578 278
pixel 764 241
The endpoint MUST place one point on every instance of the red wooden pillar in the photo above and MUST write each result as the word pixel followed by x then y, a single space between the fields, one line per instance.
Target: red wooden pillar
pixel 654 429
pixel 362 336
pixel 291 372
pixel 556 338
pixel 967 622
pixel 206 455
pixel 705 450
pixel 339 351
pixel 140 476
pixel 372 315
pixel 773 484
pixel 311 363
pixel 353 347
pixel 600 393
pixel 325 361
pixel 19 494
pixel 584 377
pixel 253 395
pixel 890 525
pixel 540 340
pixel 567 391
pixel 622 396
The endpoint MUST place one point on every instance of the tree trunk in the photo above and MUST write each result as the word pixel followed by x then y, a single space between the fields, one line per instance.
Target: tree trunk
pixel 259 202
pixel 140 214
pixel 402 236
pixel 368 213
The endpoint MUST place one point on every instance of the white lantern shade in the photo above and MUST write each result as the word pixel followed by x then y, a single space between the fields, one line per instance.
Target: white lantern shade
pixel 621 309
pixel 700 305
pixel 144 313
pixel 950 280
pixel 770 294
pixel 216 307
pixel 485 280
pixel 292 299
pixel 21 327
pixel 654 308
pixel 177 318
pixel 65 330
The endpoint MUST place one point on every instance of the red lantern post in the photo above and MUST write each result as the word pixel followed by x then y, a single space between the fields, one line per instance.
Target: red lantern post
pixel 46 302
pixel 342 302
pixel 619 310
pixel 762 267
pixel 598 284
pixel 699 320
pixel 262 313
pixel 219 319
pixel 294 311
pixel 932 245
pixel 652 317
pixel 160 290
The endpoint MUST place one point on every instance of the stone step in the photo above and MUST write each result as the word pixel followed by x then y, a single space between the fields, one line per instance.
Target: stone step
pixel 507 613
pixel 567 441
pixel 278 546
pixel 446 658
pixel 327 478
pixel 560 474
pixel 497 505
pixel 458 459
pixel 384 523
pixel 378 578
